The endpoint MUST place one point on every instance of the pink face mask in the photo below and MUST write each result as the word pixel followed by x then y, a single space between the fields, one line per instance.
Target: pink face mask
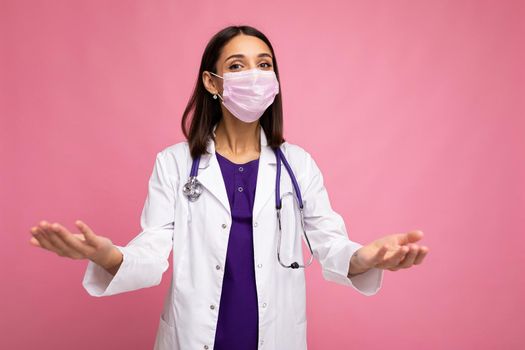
pixel 248 93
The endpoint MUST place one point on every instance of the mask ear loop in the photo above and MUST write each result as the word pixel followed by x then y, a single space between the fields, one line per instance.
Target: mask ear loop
pixel 217 94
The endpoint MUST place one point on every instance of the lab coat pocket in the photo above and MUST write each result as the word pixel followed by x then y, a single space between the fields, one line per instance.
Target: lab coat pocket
pixel 165 339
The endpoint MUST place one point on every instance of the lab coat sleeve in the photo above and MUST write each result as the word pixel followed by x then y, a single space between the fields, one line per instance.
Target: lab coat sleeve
pixel 327 233
pixel 145 257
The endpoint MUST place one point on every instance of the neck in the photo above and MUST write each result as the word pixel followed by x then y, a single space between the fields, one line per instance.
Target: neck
pixel 236 138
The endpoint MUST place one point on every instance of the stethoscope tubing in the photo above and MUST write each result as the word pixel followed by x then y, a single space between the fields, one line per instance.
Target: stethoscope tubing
pixel 193 189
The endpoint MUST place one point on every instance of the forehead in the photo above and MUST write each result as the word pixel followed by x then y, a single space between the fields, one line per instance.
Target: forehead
pixel 247 45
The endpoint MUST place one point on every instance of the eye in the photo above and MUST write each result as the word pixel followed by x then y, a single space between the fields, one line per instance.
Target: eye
pixel 233 65
pixel 268 65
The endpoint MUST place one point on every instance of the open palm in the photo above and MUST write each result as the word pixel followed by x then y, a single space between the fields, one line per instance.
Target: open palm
pixel 85 245
pixel 393 252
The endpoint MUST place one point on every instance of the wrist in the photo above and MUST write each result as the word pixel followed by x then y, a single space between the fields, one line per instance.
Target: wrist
pixel 112 260
pixel 356 266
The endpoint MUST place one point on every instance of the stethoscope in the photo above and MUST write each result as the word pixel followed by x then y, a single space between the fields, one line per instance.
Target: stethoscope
pixel 193 189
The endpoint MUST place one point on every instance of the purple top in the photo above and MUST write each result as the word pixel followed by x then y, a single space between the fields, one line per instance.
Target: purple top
pixel 238 323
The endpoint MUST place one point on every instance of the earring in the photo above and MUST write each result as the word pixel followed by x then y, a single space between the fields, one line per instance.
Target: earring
pixel 215 96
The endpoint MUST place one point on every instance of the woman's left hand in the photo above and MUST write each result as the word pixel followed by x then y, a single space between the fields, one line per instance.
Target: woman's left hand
pixel 392 252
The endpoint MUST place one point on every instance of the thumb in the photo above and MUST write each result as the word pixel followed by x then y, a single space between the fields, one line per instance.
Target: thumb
pixel 86 231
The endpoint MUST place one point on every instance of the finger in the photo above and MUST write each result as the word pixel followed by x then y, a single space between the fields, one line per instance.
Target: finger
pixel 61 246
pixel 43 229
pixel 409 257
pixel 44 242
pixel 422 253
pixel 88 233
pixel 397 257
pixel 46 231
pixel 410 237
pixel 33 239
pixel 73 242
pixel 80 236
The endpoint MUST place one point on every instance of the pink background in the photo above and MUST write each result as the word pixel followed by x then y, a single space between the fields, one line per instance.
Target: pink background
pixel 414 111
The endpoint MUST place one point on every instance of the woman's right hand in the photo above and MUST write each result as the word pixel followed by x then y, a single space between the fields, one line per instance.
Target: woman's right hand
pixel 86 245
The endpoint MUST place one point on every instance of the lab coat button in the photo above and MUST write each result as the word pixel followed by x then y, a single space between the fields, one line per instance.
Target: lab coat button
pixel 205 346
pixel 212 307
pixel 255 224
pixel 218 267
pixel 224 225
pixel 264 305
pixel 259 265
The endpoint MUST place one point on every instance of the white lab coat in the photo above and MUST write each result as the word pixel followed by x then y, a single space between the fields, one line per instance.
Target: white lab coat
pixel 198 234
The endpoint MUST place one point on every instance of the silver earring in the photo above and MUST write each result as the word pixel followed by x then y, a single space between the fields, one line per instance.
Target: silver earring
pixel 215 96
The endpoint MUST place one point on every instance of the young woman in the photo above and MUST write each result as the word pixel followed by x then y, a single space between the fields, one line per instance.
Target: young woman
pixel 234 202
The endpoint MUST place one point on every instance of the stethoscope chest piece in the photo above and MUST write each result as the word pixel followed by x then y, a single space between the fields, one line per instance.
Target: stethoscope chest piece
pixel 192 189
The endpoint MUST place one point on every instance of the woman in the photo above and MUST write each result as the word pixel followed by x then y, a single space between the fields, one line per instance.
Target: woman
pixel 230 290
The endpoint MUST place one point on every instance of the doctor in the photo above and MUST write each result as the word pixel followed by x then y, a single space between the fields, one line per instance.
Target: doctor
pixel 238 277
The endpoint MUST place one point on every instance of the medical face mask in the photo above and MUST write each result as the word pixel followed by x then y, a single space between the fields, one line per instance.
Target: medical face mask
pixel 248 93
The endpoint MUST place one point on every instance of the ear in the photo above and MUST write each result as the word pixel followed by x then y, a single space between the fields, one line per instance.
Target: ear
pixel 210 83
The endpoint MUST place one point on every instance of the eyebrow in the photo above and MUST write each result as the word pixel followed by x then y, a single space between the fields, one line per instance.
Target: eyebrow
pixel 242 56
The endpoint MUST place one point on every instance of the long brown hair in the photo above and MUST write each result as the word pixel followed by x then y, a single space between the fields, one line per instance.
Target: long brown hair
pixel 204 111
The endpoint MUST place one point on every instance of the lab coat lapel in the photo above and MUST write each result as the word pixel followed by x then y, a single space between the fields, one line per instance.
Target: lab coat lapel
pixel 210 175
pixel 265 176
